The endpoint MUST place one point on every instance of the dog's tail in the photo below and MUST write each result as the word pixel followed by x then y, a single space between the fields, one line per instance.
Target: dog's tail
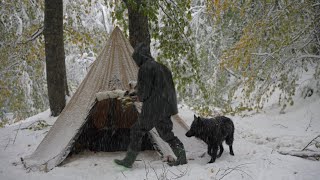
pixel 229 138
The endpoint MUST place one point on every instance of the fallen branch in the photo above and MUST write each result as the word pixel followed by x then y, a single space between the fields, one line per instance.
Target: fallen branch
pixel 302 154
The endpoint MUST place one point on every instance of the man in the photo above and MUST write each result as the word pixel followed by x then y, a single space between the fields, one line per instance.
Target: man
pixel 156 90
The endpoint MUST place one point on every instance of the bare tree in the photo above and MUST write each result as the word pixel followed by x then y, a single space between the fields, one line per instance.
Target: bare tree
pixel 55 57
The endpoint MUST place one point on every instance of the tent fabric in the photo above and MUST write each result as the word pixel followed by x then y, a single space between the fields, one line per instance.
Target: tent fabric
pixel 113 69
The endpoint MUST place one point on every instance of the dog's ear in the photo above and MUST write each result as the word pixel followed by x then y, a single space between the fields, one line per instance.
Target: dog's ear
pixel 195 117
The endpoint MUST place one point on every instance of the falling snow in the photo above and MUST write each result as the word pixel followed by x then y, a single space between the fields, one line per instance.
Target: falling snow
pixel 258 140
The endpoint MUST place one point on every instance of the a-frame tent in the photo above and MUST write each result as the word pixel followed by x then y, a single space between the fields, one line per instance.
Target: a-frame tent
pixel 113 70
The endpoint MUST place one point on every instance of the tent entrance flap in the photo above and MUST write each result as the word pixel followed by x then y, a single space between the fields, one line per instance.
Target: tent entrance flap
pixel 108 127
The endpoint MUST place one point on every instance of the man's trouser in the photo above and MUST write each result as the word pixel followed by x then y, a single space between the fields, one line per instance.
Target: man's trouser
pixel 164 127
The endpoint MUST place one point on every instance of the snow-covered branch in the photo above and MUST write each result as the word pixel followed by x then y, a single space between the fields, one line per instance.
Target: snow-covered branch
pixel 316 4
pixel 302 154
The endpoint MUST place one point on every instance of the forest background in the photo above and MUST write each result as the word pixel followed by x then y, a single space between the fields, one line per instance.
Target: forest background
pixel 229 55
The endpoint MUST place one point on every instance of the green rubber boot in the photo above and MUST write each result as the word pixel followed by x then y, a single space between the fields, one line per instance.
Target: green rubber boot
pixel 128 160
pixel 181 157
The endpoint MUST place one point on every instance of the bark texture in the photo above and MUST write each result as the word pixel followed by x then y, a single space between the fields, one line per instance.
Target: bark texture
pixel 138 23
pixel 55 57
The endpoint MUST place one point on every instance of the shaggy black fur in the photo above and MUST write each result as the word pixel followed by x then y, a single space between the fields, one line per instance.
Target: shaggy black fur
pixel 213 132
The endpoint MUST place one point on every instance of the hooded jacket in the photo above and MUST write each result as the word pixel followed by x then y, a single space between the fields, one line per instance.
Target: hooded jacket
pixel 155 87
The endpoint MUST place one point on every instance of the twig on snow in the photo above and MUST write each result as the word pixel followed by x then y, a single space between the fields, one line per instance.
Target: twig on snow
pixel 310 142
pixel 309 125
pixel 155 172
pixel 23 162
pixel 7 144
pixel 270 162
pixel 280 125
pixel 164 172
pixel 146 169
pixel 230 170
pixel 39 121
pixel 181 174
pixel 123 174
pixel 16 134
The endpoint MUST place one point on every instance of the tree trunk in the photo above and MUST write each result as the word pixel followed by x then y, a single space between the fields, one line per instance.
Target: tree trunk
pixel 55 57
pixel 138 24
pixel 316 48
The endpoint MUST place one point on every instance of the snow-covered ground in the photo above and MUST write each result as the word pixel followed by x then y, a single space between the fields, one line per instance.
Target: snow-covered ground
pixel 258 139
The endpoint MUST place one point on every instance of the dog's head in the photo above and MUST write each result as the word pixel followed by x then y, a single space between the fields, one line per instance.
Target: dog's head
pixel 196 127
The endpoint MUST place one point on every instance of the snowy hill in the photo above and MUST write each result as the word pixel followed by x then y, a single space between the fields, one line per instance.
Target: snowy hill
pixel 258 140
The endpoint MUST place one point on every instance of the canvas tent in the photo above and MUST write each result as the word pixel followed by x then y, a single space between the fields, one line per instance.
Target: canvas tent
pixel 111 73
pixel 112 70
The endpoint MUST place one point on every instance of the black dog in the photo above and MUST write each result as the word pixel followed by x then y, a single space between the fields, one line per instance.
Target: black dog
pixel 213 132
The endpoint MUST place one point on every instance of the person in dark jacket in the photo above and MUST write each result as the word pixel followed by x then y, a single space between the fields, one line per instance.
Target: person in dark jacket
pixel 155 88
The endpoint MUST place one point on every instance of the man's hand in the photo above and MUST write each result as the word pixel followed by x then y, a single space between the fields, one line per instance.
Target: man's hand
pixel 135 98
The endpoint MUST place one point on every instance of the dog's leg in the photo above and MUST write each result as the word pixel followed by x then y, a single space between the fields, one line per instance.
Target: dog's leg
pixel 210 149
pixel 213 154
pixel 221 150
pixel 229 141
pixel 231 150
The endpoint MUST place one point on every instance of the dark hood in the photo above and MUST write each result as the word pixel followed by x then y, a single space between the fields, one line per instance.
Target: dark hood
pixel 141 54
